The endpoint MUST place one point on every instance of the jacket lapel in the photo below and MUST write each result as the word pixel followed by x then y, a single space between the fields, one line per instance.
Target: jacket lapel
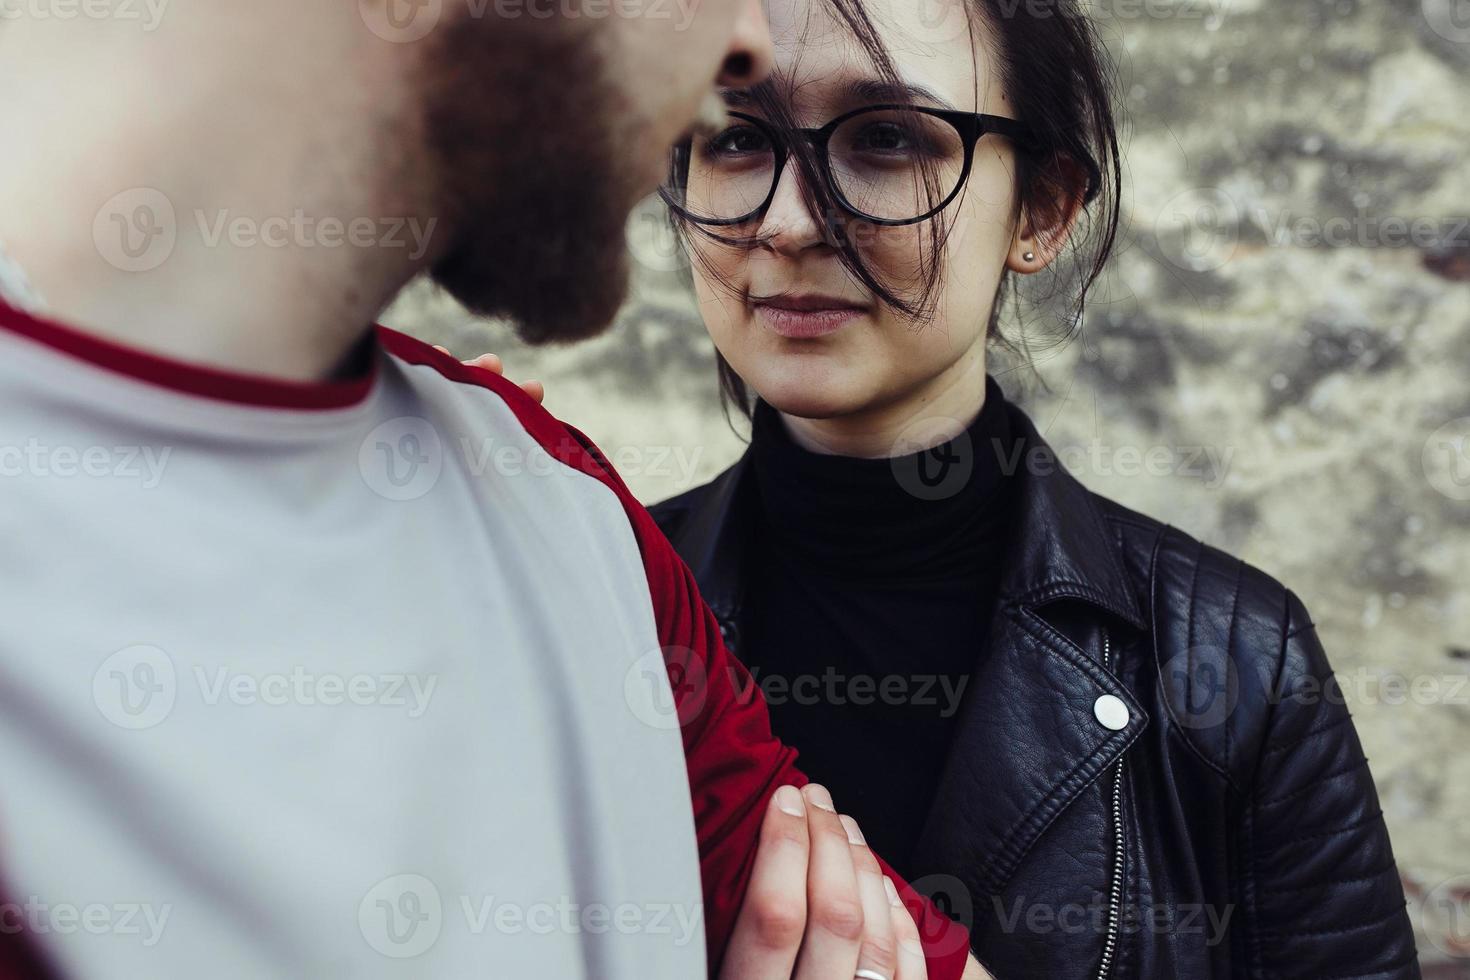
pixel 1028 741
pixel 1027 744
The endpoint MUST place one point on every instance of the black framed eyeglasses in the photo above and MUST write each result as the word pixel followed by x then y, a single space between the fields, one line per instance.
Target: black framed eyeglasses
pixel 888 164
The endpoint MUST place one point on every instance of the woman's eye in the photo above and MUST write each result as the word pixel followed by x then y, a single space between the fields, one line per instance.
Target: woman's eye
pixel 885 136
pixel 738 141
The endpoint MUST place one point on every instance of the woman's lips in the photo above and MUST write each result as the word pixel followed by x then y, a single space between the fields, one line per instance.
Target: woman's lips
pixel 803 319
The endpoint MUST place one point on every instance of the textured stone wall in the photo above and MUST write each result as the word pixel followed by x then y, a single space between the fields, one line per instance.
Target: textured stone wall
pixel 1278 361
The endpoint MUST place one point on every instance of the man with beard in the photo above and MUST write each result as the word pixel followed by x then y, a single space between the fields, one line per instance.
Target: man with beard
pixel 326 656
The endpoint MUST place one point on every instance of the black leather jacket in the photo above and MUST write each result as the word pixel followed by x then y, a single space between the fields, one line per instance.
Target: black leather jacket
pixel 1228 828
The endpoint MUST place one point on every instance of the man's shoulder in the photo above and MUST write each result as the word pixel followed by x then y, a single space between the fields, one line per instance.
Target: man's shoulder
pixel 450 372
pixel 448 378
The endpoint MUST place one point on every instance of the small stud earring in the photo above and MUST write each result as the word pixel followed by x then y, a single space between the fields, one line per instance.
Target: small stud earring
pixel 1029 257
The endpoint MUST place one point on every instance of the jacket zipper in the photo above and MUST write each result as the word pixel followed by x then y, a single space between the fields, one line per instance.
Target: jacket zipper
pixel 1115 889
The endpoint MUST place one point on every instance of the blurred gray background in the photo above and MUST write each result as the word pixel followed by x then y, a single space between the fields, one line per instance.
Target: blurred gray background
pixel 1278 361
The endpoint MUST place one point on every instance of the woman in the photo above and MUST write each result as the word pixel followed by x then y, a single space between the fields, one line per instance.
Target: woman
pixel 1124 759
pixel 1114 751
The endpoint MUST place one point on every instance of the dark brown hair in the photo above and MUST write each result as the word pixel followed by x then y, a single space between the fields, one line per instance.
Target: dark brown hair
pixel 1058 77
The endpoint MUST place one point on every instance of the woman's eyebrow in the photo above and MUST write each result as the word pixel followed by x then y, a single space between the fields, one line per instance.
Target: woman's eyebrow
pixel 860 91
pixel 904 93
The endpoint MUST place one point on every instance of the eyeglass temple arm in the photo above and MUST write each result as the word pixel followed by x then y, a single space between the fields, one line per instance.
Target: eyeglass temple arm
pixel 1023 135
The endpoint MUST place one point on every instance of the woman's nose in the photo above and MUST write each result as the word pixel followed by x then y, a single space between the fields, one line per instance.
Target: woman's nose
pixel 789 226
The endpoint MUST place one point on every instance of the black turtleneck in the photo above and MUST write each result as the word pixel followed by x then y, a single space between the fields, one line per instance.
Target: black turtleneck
pixel 868 596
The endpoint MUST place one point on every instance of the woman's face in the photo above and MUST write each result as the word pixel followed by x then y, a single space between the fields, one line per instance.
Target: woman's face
pixel 802 331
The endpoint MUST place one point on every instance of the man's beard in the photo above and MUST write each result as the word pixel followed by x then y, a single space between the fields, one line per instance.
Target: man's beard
pixel 528 165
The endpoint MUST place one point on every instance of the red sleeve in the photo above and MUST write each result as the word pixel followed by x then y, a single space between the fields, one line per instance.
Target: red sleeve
pixel 734 761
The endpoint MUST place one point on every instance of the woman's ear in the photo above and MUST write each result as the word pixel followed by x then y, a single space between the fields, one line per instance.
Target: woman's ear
pixel 1047 221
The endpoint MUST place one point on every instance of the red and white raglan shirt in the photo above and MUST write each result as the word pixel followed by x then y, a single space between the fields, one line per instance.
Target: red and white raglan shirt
pixel 357 679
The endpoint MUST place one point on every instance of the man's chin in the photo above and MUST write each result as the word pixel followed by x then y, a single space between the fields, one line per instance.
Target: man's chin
pixel 546 301
pixel 533 170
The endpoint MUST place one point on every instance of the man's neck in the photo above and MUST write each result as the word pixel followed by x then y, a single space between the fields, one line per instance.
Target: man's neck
pixel 214 213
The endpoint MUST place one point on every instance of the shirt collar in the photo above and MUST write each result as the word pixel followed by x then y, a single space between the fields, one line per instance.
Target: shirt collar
pixel 1062 549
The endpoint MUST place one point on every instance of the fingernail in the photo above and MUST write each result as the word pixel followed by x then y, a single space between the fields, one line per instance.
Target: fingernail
pixel 854 833
pixel 893 898
pixel 912 947
pixel 788 798
pixel 820 797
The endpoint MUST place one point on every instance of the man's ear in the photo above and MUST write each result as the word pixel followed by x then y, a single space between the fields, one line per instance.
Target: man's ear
pixel 1047 220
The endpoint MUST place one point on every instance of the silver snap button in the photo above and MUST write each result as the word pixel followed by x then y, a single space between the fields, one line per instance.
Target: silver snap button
pixel 1111 712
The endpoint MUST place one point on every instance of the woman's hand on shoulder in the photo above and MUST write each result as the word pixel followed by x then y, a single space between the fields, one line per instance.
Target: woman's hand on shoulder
pixel 493 364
